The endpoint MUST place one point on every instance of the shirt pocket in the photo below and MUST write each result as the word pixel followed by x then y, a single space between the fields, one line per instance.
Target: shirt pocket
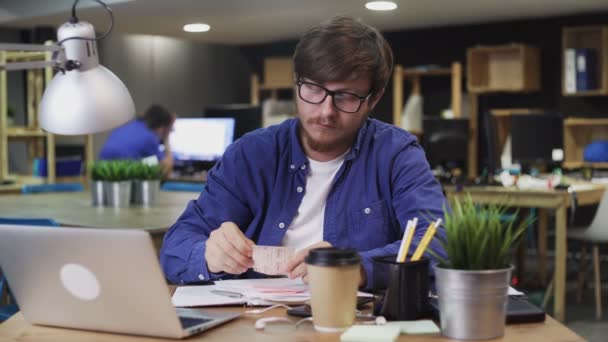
pixel 369 226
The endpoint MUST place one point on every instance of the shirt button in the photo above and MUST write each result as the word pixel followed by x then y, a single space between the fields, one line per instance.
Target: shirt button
pixel 292 166
pixel 299 189
pixel 281 225
pixel 367 210
pixel 303 167
pixel 201 277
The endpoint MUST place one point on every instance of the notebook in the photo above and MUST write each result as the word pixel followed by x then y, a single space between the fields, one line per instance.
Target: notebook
pixel 95 279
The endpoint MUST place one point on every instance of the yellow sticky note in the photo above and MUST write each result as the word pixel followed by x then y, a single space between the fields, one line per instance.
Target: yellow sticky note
pixel 371 333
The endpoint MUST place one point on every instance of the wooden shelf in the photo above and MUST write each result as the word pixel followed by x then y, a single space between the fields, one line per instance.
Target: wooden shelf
pixel 278 75
pixel 578 133
pixel 586 37
pixel 412 72
pixel 503 68
pixel 25 132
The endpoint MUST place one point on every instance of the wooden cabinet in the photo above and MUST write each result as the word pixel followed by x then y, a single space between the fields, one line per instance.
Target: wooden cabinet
pixel 278 75
pixel 586 37
pixel 578 133
pixel 401 74
pixel 503 68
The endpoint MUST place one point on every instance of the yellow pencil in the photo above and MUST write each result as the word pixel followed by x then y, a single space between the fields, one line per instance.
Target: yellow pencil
pixel 407 239
pixel 426 239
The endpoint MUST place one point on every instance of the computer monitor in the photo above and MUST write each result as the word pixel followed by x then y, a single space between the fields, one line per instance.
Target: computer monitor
pixel 446 142
pixel 534 137
pixel 200 139
pixel 247 117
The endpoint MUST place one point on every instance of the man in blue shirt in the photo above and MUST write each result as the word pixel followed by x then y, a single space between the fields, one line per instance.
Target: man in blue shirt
pixel 141 138
pixel 333 176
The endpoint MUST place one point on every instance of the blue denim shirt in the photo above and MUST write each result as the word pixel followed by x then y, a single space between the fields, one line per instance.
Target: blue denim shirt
pixel 384 181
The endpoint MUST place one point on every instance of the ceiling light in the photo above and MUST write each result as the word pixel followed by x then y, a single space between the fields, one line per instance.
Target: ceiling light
pixel 196 27
pixel 381 5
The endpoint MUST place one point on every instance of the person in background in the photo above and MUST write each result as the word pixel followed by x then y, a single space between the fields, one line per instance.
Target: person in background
pixel 330 177
pixel 141 138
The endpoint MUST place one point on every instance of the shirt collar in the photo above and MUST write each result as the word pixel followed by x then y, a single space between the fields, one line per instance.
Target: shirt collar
pixel 298 158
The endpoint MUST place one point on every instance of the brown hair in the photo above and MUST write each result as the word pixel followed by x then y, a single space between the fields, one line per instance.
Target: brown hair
pixel 341 49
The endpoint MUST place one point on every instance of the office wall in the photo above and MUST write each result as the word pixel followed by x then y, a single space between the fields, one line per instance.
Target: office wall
pixel 443 45
pixel 182 75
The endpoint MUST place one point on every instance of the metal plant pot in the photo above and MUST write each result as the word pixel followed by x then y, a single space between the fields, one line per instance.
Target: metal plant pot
pixel 97 193
pixel 145 192
pixel 472 304
pixel 117 194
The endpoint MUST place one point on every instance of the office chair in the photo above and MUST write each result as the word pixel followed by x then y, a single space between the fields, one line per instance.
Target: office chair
pixel 182 186
pixel 10 308
pixel 45 188
pixel 595 234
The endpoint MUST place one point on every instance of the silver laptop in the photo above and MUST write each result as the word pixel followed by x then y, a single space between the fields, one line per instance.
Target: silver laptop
pixel 95 279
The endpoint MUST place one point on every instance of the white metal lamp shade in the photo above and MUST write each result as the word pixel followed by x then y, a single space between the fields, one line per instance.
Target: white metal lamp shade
pixel 87 97
pixel 85 102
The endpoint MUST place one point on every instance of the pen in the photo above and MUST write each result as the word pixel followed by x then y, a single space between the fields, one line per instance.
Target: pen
pixel 407 239
pixel 426 239
pixel 227 293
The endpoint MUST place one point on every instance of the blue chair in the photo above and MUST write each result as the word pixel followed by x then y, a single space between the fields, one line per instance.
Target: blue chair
pixel 183 186
pixel 44 188
pixel 6 311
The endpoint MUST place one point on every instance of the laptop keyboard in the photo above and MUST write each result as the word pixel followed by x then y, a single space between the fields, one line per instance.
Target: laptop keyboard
pixel 188 322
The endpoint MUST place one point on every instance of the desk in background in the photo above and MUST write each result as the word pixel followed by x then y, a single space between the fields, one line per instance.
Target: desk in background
pixel 558 200
pixel 75 209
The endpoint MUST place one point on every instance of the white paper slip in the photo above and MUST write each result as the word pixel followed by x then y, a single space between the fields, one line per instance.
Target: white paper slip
pixel 514 292
pixel 271 260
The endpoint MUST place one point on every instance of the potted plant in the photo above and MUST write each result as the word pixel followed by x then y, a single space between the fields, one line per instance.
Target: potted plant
pixel 116 176
pixel 97 182
pixel 146 183
pixel 473 282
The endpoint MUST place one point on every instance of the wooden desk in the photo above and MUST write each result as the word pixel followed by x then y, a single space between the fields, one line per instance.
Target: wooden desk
pixel 17 329
pixel 557 200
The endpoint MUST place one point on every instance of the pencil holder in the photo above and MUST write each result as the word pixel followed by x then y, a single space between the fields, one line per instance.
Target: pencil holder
pixel 407 288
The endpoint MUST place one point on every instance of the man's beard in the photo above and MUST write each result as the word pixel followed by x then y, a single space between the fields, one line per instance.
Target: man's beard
pixel 321 146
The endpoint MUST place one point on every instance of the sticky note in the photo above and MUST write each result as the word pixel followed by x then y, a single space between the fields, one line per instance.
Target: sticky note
pixel 370 333
pixel 416 327
pixel 271 260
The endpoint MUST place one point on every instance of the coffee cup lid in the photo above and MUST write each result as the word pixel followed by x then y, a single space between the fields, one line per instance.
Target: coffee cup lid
pixel 331 256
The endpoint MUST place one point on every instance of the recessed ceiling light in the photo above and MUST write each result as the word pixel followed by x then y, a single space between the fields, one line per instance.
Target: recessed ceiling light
pixel 196 27
pixel 381 5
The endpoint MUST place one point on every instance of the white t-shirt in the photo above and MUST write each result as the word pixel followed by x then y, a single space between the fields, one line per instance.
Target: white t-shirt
pixel 307 227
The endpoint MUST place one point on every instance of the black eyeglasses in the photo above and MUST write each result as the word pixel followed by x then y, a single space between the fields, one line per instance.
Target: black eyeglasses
pixel 343 100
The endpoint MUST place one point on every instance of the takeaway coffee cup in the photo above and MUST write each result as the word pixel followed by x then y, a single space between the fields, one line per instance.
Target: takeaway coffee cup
pixel 334 277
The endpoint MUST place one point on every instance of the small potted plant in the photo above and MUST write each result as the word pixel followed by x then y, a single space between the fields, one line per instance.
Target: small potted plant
pixel 473 282
pixel 146 183
pixel 116 176
pixel 97 182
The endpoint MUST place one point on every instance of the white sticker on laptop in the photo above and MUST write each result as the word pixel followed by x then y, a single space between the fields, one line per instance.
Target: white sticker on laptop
pixel 271 260
pixel 80 282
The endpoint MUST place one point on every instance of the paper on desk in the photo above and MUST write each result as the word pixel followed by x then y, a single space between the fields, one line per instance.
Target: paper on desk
pixel 514 292
pixel 282 290
pixel 271 260
pixel 185 296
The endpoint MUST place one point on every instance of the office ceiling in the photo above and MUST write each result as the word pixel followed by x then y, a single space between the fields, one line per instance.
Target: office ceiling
pixel 258 21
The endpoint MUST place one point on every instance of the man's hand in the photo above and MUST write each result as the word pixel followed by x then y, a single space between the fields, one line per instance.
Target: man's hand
pixel 228 250
pixel 296 267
